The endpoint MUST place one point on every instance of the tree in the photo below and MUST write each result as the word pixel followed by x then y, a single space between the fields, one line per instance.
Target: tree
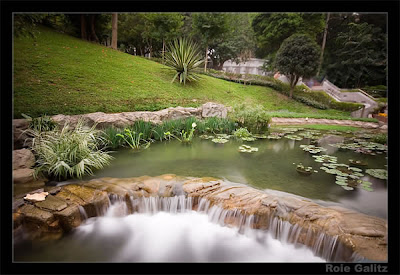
pixel 359 56
pixel 166 27
pixel 236 44
pixel 114 35
pixel 273 28
pixel 297 57
pixel 209 26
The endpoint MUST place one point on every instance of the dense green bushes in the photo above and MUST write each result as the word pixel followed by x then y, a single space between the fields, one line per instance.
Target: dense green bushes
pixel 254 118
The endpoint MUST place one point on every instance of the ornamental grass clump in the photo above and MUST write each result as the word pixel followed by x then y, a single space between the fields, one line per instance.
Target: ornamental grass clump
pixel 69 153
pixel 183 56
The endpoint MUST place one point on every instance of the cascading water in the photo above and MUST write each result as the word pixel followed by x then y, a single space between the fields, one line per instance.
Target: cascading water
pixel 167 229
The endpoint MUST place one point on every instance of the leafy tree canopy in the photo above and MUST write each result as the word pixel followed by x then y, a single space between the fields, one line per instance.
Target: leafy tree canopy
pixel 297 57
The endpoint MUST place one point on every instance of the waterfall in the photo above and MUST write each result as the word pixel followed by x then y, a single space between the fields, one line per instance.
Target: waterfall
pixel 321 244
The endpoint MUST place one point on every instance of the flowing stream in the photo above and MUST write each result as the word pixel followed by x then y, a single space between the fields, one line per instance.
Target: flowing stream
pixel 169 230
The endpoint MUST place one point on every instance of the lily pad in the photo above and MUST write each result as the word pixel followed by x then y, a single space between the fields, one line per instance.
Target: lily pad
pixel 219 140
pixel 347 188
pixel 293 137
pixel 247 149
pixel 248 139
pixel 377 173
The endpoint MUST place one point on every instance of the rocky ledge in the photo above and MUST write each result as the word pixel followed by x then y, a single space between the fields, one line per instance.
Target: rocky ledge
pixel 61 211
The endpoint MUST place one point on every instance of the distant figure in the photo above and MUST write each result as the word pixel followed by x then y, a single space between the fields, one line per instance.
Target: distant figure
pixel 277 75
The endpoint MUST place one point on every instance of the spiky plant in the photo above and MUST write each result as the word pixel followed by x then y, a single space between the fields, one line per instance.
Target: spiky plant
pixel 183 56
pixel 68 153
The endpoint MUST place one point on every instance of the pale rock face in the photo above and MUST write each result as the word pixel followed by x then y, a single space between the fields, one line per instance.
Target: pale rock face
pixel 211 109
pixel 23 158
pixel 36 197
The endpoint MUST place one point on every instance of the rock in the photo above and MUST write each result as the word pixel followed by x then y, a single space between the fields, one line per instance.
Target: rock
pixel 69 218
pixel 23 175
pixel 51 203
pixel 36 197
pixel 23 158
pixel 211 109
pixel 95 202
pixel 19 126
pixel 383 127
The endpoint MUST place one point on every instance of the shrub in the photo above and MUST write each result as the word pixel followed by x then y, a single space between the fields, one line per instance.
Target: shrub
pixel 242 133
pixel 68 153
pixel 183 56
pixel 41 124
pixel 380 138
pixel 254 118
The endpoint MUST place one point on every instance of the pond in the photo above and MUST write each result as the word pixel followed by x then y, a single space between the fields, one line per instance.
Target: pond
pixel 273 166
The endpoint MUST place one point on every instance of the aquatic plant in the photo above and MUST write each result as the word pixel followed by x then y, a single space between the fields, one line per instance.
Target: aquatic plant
pixel 309 135
pixel 301 169
pixel 293 137
pixel 247 149
pixel 312 148
pixel 68 153
pixel 144 127
pixel 112 141
pixel 358 162
pixel 275 135
pixel 249 138
pixel 133 139
pixel 218 125
pixel 219 140
pixel 258 136
pixel 242 133
pixel 325 158
pixel 187 137
pixel 363 147
pixel 206 137
pixel 378 173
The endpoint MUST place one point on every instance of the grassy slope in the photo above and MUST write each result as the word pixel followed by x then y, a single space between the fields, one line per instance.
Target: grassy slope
pixel 59 74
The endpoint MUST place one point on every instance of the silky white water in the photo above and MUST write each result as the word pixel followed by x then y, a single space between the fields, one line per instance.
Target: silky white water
pixel 176 234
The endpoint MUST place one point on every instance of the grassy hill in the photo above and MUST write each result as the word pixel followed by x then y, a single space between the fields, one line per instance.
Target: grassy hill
pixel 58 74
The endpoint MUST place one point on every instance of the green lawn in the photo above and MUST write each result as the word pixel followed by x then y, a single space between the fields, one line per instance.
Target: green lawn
pixel 59 74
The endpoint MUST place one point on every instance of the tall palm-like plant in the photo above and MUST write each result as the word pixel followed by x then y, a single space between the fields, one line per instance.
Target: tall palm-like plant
pixel 183 56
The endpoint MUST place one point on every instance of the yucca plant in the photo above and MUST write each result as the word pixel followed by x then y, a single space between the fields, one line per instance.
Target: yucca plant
pixel 68 153
pixel 183 56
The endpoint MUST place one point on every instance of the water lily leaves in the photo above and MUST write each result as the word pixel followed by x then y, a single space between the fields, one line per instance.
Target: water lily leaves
pixel 206 137
pixel 293 137
pixel 247 149
pixel 224 136
pixel 259 136
pixel 377 173
pixel 248 139
pixel 312 149
pixel 219 140
pixel 358 162
pixel 325 158
pixel 363 147
pixel 347 188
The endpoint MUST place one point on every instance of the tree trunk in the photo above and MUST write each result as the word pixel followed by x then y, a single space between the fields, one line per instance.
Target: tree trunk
pixel 205 60
pixel 93 28
pixel 163 50
pixel 83 27
pixel 293 81
pixel 323 45
pixel 114 23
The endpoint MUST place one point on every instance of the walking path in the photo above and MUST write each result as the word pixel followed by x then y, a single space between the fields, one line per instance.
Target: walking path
pixel 299 121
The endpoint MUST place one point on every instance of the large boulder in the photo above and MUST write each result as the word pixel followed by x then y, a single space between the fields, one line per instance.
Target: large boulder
pixel 23 175
pixel 211 109
pixel 23 158
pixel 19 137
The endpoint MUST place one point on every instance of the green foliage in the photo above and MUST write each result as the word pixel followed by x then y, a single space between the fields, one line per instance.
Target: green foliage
pixel 380 138
pixel 272 29
pixel 68 153
pixel 133 139
pixel 112 141
pixel 255 118
pixel 359 56
pixel 297 57
pixel 217 125
pixel 376 91
pixel 242 133
pixel 25 24
pixel 183 57
pixel 209 26
pixel 144 127
pixel 41 124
